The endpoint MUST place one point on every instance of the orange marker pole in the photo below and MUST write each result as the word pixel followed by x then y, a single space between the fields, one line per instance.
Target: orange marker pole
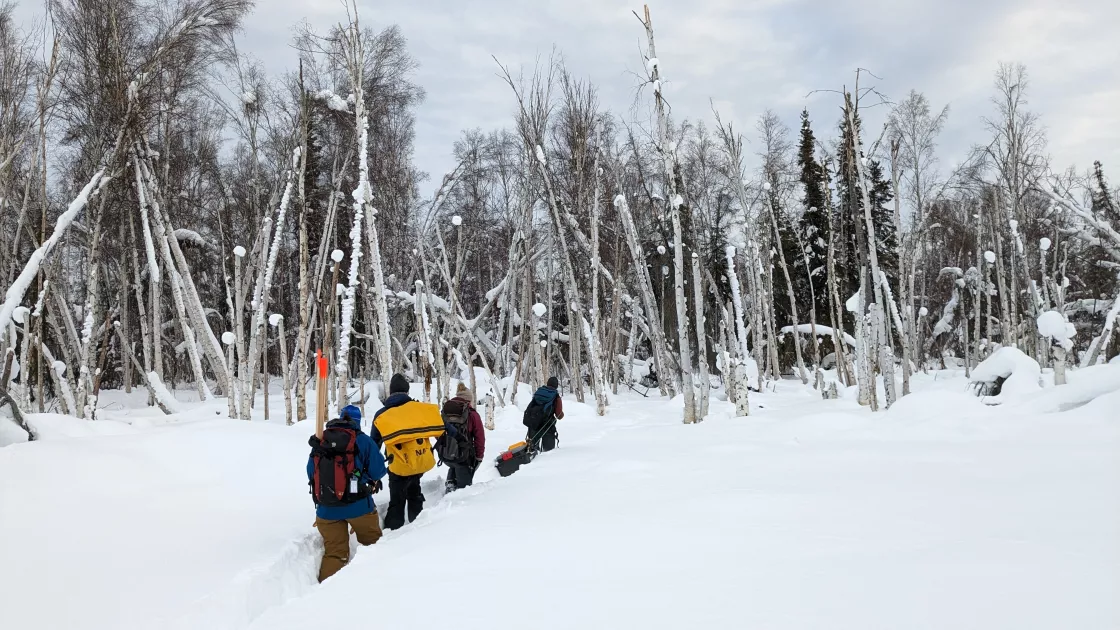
pixel 321 394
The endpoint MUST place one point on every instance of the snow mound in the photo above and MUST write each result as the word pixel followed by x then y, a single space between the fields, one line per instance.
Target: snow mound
pixel 990 256
pixel 652 63
pixel 228 338
pixel 456 220
pixel 936 404
pixel 1006 375
pixel 540 309
pixel 1083 386
pixel 1044 244
pixel 55 426
pixel 239 251
pixel 337 255
pixel 922 312
pixel 10 432
pixel 275 319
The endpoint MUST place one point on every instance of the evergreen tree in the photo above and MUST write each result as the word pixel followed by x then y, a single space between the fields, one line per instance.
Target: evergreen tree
pixel 882 215
pixel 813 224
pixel 851 221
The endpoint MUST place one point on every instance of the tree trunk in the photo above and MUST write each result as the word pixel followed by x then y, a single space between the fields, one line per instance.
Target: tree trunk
pixel 701 337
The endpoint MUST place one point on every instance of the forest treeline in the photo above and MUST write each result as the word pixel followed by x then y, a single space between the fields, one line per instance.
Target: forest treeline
pixel 172 217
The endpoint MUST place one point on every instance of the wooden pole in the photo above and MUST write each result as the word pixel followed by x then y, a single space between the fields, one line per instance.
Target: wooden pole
pixel 321 393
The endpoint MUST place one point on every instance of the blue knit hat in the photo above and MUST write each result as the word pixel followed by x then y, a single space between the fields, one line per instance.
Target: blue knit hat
pixel 350 412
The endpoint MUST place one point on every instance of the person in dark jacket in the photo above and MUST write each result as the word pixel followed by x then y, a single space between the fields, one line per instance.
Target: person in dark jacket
pixel 408 458
pixel 549 399
pixel 461 475
pixel 334 522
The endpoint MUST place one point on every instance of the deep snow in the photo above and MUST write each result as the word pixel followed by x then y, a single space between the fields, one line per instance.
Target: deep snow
pixel 939 513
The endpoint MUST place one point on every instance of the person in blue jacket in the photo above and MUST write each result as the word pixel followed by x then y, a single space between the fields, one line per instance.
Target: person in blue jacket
pixel 344 470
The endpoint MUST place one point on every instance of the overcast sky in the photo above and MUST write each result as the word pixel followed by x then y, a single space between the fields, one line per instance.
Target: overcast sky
pixel 749 55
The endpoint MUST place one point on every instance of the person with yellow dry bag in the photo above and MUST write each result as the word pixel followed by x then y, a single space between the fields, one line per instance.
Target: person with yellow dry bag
pixel 405 427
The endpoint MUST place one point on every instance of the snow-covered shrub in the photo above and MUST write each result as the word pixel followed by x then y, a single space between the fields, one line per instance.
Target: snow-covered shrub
pixel 1007 374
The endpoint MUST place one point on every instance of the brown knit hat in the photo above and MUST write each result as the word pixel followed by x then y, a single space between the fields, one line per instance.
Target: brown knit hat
pixel 464 392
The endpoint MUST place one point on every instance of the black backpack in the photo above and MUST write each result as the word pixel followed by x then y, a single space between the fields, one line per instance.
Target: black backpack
pixel 536 415
pixel 455 446
pixel 336 481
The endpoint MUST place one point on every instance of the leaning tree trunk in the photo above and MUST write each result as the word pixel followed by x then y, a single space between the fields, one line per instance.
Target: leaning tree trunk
pixel 675 202
pixel 802 373
pixel 661 362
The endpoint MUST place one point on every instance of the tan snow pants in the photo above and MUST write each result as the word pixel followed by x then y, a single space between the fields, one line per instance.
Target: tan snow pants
pixel 336 540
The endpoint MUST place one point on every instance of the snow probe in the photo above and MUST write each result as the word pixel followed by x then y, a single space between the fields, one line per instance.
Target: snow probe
pixel 321 394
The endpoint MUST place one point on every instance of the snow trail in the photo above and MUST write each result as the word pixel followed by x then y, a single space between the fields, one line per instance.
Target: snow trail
pixel 941 511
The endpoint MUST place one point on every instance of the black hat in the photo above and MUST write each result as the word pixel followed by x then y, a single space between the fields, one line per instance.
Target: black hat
pixel 552 382
pixel 398 385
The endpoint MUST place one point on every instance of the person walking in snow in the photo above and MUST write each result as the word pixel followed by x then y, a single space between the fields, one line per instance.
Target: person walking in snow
pixel 405 427
pixel 344 470
pixel 541 415
pixel 463 446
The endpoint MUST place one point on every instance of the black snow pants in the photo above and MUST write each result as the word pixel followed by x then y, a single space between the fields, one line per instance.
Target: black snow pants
pixel 403 491
pixel 549 438
pixel 460 476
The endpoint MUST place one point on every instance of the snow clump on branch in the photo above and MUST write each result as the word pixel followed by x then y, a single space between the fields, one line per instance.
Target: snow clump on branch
pixel 1054 325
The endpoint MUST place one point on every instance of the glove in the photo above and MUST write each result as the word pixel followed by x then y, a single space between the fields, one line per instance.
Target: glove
pixel 376 486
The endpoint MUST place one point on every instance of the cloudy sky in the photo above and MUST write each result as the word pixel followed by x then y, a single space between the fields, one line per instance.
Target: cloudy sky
pixel 749 55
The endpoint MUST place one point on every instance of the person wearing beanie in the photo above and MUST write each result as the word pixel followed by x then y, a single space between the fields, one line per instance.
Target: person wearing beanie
pixel 344 451
pixel 541 415
pixel 465 426
pixel 405 427
pixel 398 385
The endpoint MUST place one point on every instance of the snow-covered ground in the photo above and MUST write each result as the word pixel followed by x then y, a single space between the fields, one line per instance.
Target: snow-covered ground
pixel 941 513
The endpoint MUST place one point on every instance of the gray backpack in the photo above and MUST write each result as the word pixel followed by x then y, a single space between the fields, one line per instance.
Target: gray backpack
pixel 455 445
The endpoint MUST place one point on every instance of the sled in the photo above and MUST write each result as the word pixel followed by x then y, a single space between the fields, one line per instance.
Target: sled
pixel 513 458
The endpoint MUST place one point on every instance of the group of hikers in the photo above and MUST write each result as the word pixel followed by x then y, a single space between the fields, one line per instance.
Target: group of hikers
pixel 346 466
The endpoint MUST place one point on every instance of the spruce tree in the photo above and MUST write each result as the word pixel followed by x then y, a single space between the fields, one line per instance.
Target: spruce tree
pixel 851 221
pixel 813 224
pixel 886 236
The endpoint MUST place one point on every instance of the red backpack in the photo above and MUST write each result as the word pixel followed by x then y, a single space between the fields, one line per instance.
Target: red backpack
pixel 337 479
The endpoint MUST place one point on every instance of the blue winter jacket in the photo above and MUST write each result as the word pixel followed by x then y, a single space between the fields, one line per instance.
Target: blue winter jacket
pixel 372 465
